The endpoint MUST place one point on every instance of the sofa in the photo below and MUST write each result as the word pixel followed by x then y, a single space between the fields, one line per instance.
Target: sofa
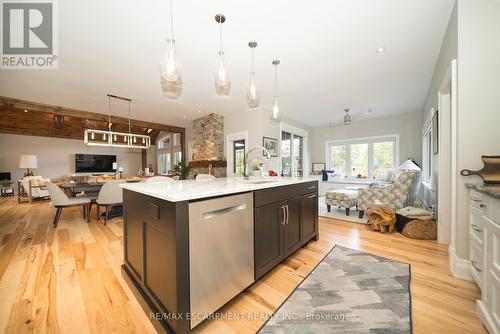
pixel 34 188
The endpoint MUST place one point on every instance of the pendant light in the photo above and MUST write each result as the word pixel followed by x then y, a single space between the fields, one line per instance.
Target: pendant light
pixel 253 96
pixel 91 137
pixel 168 65
pixel 347 117
pixel 222 80
pixel 275 114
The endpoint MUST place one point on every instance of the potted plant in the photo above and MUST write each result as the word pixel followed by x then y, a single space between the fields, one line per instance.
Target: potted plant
pixel 5 183
pixel 256 171
pixel 181 170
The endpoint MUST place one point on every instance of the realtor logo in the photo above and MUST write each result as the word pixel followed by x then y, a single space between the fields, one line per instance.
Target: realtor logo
pixel 28 35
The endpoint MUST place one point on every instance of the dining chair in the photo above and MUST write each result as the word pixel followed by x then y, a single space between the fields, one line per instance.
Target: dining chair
pixel 109 196
pixel 60 200
pixel 160 179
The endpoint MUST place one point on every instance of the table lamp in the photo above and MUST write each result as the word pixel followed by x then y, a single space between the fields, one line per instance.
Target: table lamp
pixel 409 165
pixel 28 161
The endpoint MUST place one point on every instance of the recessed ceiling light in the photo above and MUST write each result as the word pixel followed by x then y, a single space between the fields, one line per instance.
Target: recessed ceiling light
pixel 25 110
pixel 183 117
pixel 381 50
pixel 199 110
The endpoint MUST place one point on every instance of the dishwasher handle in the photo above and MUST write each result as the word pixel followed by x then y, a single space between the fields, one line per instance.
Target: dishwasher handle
pixel 215 213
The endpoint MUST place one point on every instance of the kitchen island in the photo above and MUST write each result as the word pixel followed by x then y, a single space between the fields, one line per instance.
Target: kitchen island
pixel 190 247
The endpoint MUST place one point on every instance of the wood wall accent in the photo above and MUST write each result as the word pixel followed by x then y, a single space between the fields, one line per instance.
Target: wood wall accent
pixel 53 121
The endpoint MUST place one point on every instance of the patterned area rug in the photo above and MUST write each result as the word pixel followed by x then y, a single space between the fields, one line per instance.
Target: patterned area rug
pixel 348 292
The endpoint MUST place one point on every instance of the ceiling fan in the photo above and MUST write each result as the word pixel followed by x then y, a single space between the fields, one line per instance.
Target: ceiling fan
pixel 349 117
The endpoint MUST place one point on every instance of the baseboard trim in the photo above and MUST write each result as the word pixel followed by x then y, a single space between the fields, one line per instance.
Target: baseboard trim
pixel 460 268
pixel 485 317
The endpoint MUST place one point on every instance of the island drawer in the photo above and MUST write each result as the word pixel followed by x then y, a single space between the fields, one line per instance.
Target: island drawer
pixel 277 194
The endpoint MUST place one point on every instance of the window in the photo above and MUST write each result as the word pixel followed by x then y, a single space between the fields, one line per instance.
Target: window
pixel 236 146
pixel 427 154
pixel 338 159
pixel 292 154
pixel 359 160
pixel 169 152
pixel 368 157
pixel 239 157
pixel 383 158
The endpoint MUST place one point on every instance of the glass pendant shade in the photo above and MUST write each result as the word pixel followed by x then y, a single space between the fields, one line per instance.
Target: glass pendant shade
pixel 168 65
pixel 222 80
pixel 253 97
pixel 275 112
pixel 275 115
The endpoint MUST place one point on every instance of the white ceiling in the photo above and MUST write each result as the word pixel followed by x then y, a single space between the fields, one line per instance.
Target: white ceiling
pixel 327 50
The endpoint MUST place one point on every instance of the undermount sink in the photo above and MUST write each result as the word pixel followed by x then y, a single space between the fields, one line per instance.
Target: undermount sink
pixel 256 181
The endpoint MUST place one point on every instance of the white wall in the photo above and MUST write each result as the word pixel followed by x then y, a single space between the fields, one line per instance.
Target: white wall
pixel 56 157
pixel 478 98
pixel 258 125
pixel 407 125
pixel 441 160
pixel 449 51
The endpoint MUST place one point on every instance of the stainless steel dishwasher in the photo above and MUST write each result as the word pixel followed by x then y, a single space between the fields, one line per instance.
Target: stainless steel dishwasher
pixel 221 252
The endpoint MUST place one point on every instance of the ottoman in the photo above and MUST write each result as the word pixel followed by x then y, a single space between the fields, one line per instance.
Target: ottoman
pixel 342 198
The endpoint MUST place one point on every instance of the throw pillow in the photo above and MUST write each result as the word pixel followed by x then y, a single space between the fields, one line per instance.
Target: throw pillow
pixel 326 174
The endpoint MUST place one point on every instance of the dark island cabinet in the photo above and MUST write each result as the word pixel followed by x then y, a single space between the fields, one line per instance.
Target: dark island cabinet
pixel 292 237
pixel 133 226
pixel 268 220
pixel 285 220
pixel 309 216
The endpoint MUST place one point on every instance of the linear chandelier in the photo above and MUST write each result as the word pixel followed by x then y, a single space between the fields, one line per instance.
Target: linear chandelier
pixel 109 138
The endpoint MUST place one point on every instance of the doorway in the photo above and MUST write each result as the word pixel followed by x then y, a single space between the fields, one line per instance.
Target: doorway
pixel 236 147
pixel 445 159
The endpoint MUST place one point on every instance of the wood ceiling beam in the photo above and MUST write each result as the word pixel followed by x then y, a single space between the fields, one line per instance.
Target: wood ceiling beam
pixel 11 103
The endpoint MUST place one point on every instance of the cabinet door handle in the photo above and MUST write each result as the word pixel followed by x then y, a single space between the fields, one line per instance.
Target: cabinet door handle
pixel 311 187
pixel 474 264
pixel 283 222
pixel 482 206
pixel 287 214
pixel 475 228
pixel 475 199
pixel 311 196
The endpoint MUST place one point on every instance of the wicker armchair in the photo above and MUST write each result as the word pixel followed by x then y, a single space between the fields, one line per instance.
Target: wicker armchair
pixel 399 194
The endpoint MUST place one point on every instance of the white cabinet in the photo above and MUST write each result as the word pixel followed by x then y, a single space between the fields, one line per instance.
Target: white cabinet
pixel 484 242
pixel 493 277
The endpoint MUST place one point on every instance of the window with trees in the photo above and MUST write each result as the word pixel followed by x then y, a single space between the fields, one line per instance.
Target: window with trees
pixel 169 152
pixel 364 157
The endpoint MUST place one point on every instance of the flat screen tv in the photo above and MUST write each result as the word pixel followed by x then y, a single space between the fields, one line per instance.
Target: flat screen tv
pixel 94 163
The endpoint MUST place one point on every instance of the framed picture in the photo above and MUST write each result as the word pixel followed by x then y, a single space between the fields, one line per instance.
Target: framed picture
pixel 317 167
pixel 435 133
pixel 271 144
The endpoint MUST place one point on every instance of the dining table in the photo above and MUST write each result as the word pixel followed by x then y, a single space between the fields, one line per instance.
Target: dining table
pixel 91 190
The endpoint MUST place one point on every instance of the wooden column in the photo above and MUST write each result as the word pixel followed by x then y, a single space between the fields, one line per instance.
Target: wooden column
pixel 144 156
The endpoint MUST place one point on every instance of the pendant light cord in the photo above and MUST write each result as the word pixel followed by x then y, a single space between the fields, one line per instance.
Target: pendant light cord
pixel 129 132
pixel 220 35
pixel 109 108
pixel 275 80
pixel 252 60
pixel 172 20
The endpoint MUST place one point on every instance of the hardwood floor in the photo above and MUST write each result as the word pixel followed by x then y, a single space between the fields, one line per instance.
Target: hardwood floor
pixel 68 280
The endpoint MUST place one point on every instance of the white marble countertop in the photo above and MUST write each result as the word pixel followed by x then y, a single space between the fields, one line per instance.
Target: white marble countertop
pixel 186 190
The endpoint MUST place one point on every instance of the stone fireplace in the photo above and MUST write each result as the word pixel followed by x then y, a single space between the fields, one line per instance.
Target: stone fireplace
pixel 208 146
